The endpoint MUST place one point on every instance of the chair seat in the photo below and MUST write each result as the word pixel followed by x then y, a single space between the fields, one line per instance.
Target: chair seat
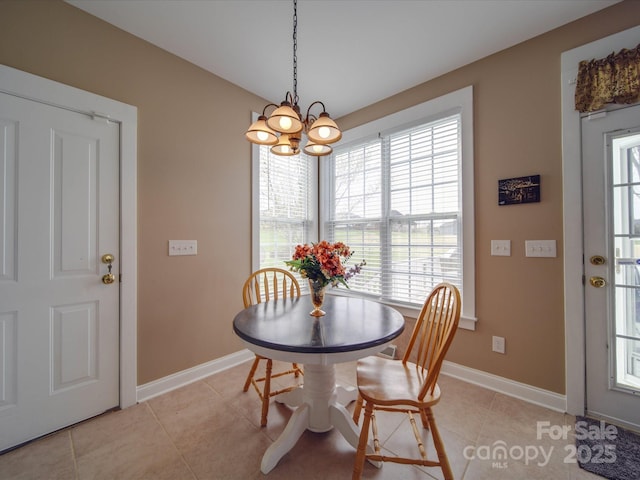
pixel 390 382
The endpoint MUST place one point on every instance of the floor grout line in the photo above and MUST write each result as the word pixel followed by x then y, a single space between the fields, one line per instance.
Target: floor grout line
pixel 73 455
pixel 184 460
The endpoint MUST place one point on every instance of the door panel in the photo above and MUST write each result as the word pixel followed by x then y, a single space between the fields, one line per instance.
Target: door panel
pixel 75 346
pixel 611 202
pixel 59 324
pixel 8 359
pixel 74 203
pixel 8 252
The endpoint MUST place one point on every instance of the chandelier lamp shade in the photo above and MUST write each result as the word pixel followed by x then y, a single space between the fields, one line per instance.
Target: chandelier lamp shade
pixel 283 129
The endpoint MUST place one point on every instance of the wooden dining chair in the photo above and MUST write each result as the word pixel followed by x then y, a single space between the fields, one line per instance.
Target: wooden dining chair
pixel 262 286
pixel 403 386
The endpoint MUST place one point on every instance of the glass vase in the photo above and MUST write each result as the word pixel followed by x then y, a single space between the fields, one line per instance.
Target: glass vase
pixel 317 297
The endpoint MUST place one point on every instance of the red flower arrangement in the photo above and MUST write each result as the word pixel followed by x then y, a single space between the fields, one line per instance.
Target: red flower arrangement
pixel 323 262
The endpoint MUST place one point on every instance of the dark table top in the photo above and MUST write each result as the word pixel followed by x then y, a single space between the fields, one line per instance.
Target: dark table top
pixel 349 324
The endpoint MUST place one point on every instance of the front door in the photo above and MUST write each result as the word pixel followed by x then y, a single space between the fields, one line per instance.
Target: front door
pixel 611 199
pixel 59 214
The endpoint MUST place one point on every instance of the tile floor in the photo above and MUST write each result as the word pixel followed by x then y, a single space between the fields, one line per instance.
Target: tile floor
pixel 210 430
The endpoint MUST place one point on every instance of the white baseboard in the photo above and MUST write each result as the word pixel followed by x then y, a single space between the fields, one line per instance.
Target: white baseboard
pixel 525 392
pixel 528 393
pixel 185 377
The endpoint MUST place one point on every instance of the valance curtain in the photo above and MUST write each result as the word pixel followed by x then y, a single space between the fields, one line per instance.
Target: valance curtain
pixel 614 79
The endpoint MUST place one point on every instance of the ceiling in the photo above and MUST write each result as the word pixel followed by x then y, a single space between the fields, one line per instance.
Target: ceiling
pixel 351 53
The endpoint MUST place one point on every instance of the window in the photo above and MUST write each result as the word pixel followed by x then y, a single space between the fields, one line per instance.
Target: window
pixel 399 192
pixel 395 201
pixel 285 199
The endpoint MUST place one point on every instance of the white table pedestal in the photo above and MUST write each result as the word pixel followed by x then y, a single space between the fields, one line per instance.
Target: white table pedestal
pixel 282 329
pixel 320 407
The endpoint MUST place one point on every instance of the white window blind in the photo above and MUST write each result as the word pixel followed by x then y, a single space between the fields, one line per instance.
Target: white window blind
pixel 396 201
pixel 286 205
pixel 356 210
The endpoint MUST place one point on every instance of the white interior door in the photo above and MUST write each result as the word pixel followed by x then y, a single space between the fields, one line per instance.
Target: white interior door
pixel 611 200
pixel 59 323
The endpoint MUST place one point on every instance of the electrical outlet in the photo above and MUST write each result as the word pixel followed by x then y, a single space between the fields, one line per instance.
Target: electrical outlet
pixel 498 344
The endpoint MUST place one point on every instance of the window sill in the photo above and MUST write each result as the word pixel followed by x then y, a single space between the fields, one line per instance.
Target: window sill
pixel 466 322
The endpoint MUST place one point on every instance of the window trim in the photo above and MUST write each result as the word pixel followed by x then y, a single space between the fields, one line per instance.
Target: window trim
pixel 255 202
pixel 459 101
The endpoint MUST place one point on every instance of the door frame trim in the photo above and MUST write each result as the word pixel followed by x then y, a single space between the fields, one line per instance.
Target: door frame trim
pixel 33 87
pixel 572 212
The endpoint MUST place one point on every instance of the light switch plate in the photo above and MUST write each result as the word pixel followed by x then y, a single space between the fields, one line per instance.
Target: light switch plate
pixel 540 248
pixel 501 248
pixel 183 247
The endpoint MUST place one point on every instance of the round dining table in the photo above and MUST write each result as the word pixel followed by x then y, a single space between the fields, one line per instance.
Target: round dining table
pixel 283 329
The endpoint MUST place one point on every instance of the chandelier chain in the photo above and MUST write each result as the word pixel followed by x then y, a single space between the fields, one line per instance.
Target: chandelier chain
pixel 295 51
pixel 286 126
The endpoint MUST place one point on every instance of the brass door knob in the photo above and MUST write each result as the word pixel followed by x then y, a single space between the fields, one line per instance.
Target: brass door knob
pixel 109 278
pixel 597 282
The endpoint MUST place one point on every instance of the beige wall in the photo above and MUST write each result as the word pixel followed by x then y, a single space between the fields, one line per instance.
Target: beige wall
pixel 190 187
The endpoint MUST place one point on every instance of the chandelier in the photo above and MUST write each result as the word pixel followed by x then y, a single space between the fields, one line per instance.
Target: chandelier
pixel 283 129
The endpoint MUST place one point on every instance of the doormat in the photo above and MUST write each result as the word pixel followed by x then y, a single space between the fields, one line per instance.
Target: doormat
pixel 607 450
